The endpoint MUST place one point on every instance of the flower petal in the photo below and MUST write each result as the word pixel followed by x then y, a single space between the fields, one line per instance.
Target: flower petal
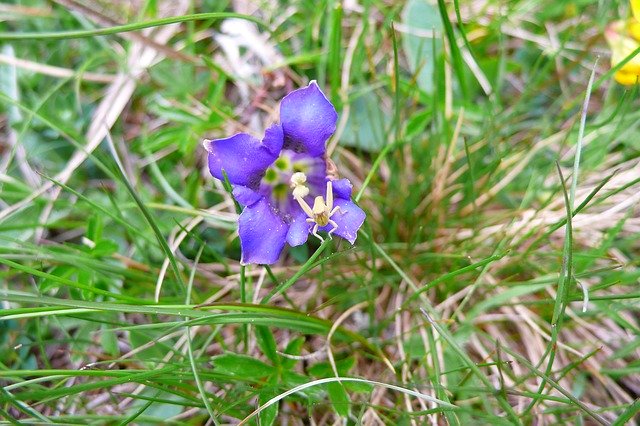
pixel 298 229
pixel 262 234
pixel 241 156
pixel 342 188
pixel 245 196
pixel 274 139
pixel 349 219
pixel 622 45
pixel 308 120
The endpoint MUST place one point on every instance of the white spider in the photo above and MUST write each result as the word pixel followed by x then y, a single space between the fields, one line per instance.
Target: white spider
pixel 322 211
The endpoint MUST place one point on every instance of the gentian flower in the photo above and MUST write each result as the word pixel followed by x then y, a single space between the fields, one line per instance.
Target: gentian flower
pixel 284 182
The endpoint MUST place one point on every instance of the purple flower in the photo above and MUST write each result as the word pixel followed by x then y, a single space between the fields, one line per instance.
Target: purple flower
pixel 282 181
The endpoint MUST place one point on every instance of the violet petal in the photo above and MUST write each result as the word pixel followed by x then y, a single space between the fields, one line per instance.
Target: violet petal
pixel 298 229
pixel 342 188
pixel 349 219
pixel 308 120
pixel 245 196
pixel 262 234
pixel 273 139
pixel 243 158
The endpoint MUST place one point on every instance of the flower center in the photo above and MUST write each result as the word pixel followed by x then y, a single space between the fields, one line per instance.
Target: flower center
pixel 293 176
pixel 283 168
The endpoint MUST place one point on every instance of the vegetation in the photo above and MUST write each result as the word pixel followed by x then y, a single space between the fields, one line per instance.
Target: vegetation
pixel 494 281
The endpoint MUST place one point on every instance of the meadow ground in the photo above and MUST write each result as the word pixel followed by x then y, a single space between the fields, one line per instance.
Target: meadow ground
pixel 494 281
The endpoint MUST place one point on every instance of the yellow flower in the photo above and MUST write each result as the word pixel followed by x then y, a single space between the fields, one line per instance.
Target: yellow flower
pixel 633 28
pixel 623 39
pixel 635 8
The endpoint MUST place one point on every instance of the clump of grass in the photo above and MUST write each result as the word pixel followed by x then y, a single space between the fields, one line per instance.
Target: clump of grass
pixel 500 183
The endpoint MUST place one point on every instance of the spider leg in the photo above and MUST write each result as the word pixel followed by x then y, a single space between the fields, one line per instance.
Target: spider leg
pixel 335 210
pixel 334 227
pixel 303 204
pixel 329 195
pixel 315 233
pixel 310 220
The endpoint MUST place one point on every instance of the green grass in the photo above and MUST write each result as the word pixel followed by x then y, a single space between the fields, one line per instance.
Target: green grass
pixel 500 183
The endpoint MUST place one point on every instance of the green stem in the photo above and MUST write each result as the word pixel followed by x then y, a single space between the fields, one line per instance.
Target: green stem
pixel 303 270
pixel 59 35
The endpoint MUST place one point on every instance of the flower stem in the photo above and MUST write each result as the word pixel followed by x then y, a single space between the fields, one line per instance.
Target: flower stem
pixel 272 276
pixel 303 269
pixel 243 299
pixel 243 276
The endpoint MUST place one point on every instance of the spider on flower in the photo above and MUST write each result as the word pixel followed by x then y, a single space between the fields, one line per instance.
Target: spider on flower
pixel 321 212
